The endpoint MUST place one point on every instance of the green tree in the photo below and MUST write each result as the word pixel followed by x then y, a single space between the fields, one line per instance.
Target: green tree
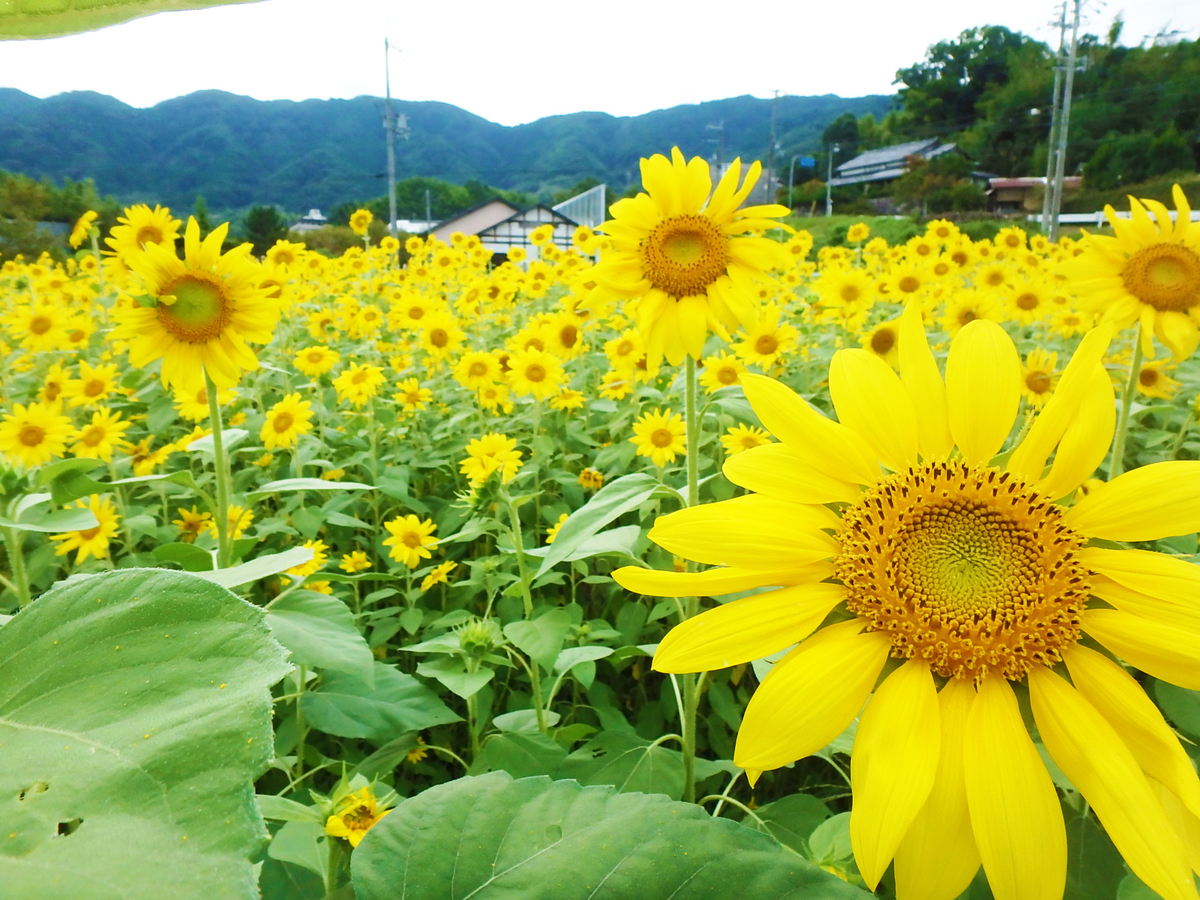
pixel 200 212
pixel 842 131
pixel 263 226
pixel 939 185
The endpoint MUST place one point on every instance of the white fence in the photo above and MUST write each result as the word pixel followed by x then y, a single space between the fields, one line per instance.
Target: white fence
pixel 1099 219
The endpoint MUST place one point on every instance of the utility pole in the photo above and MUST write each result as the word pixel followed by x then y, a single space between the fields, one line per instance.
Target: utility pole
pixel 791 178
pixel 1060 162
pixel 771 151
pixel 828 178
pixel 428 208
pixel 389 124
pixel 1052 143
pixel 719 140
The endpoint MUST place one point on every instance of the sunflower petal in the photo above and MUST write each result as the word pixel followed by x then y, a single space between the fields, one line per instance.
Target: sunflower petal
pixel 938 858
pixel 1029 458
pixel 773 469
pixel 1120 699
pixel 1156 501
pixel 714 582
pixel 1092 754
pixel 1087 439
pixel 1147 572
pixel 1163 650
pixel 892 769
pixel 870 398
pixel 827 446
pixel 983 389
pixel 810 696
pixel 920 375
pixel 1015 814
pixel 746 629
pixel 753 532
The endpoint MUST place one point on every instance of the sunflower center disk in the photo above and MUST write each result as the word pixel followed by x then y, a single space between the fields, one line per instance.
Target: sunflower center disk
pixel 1165 276
pixel 683 255
pixel 966 568
pixel 200 311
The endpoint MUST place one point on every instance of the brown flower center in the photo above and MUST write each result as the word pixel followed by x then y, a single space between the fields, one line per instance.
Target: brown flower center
pixel 662 437
pixel 31 435
pixel 883 340
pixel 685 254
pixel 201 310
pixel 1165 276
pixel 965 567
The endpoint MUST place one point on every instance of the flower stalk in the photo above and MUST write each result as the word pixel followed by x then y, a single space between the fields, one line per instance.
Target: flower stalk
pixel 1117 466
pixel 221 467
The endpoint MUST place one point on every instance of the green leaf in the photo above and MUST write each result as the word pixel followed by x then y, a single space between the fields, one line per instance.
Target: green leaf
pixel 1181 706
pixel 613 500
pixel 231 436
pixel 301 844
pixel 520 754
pixel 614 542
pixel 43 20
pixel 189 556
pixel 134 709
pixel 288 485
pixel 346 706
pixel 53 521
pixel 281 809
pixel 386 758
pixel 541 639
pixel 573 656
pixel 790 820
pixel 490 837
pixel 628 762
pixel 320 631
pixel 830 841
pixel 452 672
pixel 261 567
pixel 524 720
pixel 68 479
pixel 1096 869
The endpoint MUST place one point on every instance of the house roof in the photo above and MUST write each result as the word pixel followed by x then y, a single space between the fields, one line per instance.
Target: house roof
pixel 463 213
pixel 1029 181
pixel 887 163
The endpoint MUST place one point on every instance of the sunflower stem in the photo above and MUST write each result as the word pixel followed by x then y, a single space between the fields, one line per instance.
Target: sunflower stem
pixel 333 862
pixel 13 539
pixel 221 465
pixel 535 675
pixel 690 686
pixel 1135 367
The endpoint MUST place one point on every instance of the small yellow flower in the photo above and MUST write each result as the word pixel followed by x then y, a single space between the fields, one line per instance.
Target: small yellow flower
pixel 33 435
pixel 286 421
pixel 238 521
pixel 417 753
pixel 490 453
pixel 360 221
pixel 90 541
pixel 355 816
pixel 552 531
pixel 858 232
pixel 359 383
pixel 591 479
pixel 320 557
pixel 659 436
pixel 410 539
pixel 355 562
pixel 743 437
pixel 316 360
pixel 439 575
pixel 191 523
pixel 1153 380
pixel 83 228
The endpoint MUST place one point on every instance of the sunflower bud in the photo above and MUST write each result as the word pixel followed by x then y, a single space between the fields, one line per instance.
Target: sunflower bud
pixel 479 637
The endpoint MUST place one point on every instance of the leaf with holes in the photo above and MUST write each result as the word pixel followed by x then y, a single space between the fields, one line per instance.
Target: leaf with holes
pixel 491 837
pixel 134 717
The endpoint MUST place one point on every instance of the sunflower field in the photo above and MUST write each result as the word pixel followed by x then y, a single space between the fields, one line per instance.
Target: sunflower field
pixel 673 560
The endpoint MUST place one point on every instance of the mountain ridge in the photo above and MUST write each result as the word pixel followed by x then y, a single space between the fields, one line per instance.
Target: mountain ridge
pixel 236 151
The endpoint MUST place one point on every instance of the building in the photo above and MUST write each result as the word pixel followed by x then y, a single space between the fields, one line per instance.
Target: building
pixel 889 163
pixel 501 226
pixel 310 222
pixel 1026 193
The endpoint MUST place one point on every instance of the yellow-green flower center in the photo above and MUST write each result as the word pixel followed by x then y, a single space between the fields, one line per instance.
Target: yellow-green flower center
pixel 200 310
pixel 965 567
pixel 683 255
pixel 1165 276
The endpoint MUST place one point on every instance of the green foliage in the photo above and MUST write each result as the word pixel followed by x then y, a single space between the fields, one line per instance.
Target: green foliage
pixel 1136 157
pixel 53 20
pixel 491 837
pixel 262 226
pixel 134 717
pixel 24 202
pixel 939 185
pixel 325 152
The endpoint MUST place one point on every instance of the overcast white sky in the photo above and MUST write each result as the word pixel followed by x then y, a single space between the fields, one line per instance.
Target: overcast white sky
pixel 514 63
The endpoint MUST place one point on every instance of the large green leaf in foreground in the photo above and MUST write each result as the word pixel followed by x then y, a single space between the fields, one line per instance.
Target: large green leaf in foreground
pixel 53 18
pixel 134 717
pixel 490 837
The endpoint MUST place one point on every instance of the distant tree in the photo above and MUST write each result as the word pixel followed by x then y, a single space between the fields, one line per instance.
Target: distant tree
pixel 263 226
pixel 200 212
pixel 940 93
pixel 939 185
pixel 1129 158
pixel 842 131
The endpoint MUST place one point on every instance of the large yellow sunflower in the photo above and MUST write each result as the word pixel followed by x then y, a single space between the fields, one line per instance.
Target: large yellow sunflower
pixel 142 226
pixel 203 309
pixel 688 258
pixel 286 421
pixel 1148 272
pixel 90 541
pixel 965 565
pixel 33 435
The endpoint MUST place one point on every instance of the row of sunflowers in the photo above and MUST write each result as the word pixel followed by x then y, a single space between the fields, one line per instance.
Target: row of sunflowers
pixel 945 493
